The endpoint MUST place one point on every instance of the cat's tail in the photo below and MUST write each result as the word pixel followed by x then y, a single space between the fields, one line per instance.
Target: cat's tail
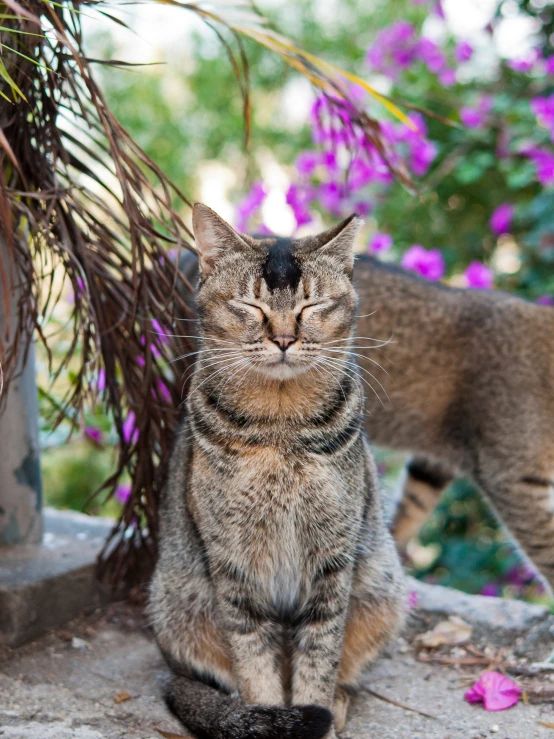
pixel 210 714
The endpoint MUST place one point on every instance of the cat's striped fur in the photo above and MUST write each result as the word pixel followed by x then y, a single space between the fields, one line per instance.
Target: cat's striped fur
pixel 277 577
pixel 466 385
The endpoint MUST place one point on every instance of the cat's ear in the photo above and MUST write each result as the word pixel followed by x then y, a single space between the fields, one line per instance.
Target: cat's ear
pixel 338 242
pixel 213 237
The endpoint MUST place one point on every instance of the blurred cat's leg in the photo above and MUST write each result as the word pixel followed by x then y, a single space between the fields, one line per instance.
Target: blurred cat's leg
pixel 423 485
pixel 525 504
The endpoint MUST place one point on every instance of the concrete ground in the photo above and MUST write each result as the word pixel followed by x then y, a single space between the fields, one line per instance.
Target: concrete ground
pixel 98 678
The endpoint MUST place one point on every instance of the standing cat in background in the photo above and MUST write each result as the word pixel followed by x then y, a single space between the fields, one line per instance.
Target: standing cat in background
pixel 277 576
pixel 466 384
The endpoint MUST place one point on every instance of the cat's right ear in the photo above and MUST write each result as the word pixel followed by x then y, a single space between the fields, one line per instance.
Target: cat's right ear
pixel 213 237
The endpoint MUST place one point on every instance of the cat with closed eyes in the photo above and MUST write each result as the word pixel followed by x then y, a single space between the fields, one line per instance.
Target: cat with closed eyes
pixel 277 581
pixel 464 381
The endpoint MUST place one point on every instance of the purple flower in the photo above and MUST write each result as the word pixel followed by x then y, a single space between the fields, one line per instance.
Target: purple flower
pixel 479 276
pixel 544 163
pixel 363 208
pixel 299 198
pixel 463 51
pixel 380 242
pixel 330 197
pixel 525 64
pixel 249 205
pixel 160 331
pixel 427 263
pixel 423 153
pixel 549 65
pixel 94 434
pixel 394 49
pixel 163 391
pixel 130 431
pixel 431 55
pixel 543 108
pixel 447 77
pixel 501 218
pixel 545 300
pixel 123 493
pixel 101 380
pixel 153 348
pixel 472 117
pixel 306 162
pixel 497 692
pixel 491 590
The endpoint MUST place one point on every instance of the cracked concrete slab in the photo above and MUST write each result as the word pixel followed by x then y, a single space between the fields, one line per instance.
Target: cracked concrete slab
pixel 66 685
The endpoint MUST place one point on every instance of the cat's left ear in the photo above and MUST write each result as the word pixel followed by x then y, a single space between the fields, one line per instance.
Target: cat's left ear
pixel 338 242
pixel 213 237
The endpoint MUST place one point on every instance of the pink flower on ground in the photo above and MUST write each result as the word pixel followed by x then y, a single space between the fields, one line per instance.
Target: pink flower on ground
pixel 501 218
pixel 130 431
pixel 463 51
pixel 545 300
pixel 94 434
pixel 497 692
pixel 479 276
pixel 427 263
pixel 380 242
pixel 411 599
pixel 123 493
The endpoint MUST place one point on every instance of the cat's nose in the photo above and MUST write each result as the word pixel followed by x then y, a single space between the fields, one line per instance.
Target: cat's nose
pixel 283 342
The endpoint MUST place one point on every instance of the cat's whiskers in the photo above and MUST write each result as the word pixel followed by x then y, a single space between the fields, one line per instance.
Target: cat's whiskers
pixel 347 352
pixel 363 369
pixel 231 359
pixel 343 365
pixel 201 351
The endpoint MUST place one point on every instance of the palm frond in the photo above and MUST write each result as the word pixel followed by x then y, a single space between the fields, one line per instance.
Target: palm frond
pixel 78 194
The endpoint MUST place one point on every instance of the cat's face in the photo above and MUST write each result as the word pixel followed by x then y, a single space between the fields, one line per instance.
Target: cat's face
pixel 276 306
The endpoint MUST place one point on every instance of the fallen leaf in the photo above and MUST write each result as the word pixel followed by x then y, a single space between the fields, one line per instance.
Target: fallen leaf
pixel 122 696
pixel 77 643
pixel 446 633
pixel 497 692
pixel 545 723
pixel 169 735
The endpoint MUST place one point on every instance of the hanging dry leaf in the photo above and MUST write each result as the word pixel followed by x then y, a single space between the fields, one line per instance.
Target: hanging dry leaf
pixel 446 633
pixel 122 696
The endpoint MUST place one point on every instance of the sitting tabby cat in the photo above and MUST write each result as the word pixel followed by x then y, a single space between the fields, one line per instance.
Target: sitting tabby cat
pixel 466 384
pixel 277 576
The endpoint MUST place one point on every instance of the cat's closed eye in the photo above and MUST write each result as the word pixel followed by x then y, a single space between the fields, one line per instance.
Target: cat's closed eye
pixel 307 310
pixel 252 308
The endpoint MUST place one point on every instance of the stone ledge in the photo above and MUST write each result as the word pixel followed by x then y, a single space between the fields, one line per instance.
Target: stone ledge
pixel 44 586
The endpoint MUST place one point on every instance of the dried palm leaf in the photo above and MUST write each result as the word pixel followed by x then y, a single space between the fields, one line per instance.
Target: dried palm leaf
pixel 78 194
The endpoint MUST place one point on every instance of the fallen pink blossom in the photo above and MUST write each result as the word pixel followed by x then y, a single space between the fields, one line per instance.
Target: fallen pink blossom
pixel 496 691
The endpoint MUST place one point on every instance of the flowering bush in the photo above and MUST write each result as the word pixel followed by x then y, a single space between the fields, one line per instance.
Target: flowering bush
pixel 483 169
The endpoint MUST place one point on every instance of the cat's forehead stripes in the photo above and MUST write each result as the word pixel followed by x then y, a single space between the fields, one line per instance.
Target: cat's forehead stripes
pixel 280 270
